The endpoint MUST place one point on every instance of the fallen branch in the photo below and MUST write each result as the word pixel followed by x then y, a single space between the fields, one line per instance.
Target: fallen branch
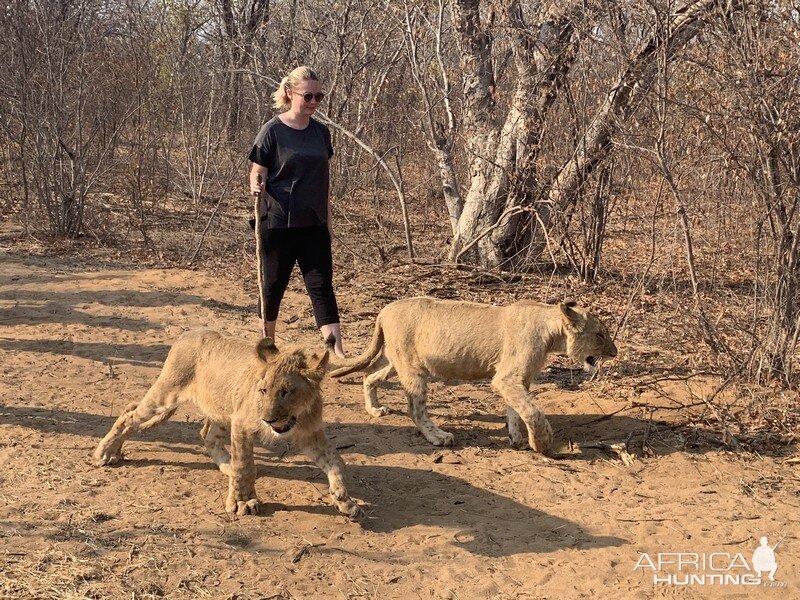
pixel 620 449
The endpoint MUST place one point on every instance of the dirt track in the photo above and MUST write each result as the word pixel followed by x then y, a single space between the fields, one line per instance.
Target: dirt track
pixel 480 520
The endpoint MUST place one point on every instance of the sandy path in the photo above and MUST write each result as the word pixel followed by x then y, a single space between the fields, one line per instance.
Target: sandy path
pixel 479 521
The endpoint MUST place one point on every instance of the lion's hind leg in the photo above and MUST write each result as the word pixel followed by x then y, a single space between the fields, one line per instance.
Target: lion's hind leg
pixel 158 405
pixel 214 436
pixel 540 434
pixel 416 388
pixel 372 382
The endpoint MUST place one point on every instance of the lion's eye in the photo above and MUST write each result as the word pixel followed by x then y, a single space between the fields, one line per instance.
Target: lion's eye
pixel 600 336
pixel 263 391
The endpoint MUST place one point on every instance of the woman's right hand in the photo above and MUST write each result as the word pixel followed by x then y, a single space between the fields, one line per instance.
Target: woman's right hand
pixel 258 175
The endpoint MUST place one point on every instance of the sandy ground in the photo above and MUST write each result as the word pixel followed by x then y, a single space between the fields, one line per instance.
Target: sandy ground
pixel 481 520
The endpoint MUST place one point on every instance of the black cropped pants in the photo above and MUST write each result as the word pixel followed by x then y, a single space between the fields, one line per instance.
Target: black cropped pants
pixel 309 247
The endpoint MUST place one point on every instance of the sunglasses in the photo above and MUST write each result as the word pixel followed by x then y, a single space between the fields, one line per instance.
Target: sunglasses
pixel 308 96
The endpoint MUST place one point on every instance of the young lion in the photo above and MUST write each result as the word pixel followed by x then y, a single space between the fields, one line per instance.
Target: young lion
pixel 421 338
pixel 245 392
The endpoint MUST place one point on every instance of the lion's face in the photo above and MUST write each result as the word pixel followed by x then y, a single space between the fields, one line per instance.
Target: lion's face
pixel 290 387
pixel 588 340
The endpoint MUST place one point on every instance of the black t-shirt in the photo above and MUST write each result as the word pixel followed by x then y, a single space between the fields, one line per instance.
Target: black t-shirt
pixel 297 172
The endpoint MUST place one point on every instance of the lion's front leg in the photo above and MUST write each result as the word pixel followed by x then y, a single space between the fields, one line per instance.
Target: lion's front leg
pixel 242 498
pixel 540 434
pixel 318 448
pixel 517 430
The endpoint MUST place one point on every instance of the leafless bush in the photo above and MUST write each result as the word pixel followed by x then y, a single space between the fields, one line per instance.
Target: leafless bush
pixel 64 113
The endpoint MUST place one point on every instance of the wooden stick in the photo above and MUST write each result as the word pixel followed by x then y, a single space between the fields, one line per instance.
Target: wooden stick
pixel 618 448
pixel 262 309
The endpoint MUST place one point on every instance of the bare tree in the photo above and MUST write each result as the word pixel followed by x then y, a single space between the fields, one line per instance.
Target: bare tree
pixel 503 151
pixel 549 127
pixel 241 25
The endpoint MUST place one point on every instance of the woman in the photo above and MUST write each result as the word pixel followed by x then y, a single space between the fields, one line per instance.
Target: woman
pixel 290 163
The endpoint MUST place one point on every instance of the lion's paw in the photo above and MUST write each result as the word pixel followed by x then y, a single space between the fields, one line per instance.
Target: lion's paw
pixel 378 411
pixel 251 506
pixel 543 439
pixel 104 457
pixel 349 508
pixel 517 431
pixel 441 438
pixel 519 443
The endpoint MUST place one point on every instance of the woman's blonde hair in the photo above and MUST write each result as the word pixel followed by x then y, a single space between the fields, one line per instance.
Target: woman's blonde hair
pixel 280 99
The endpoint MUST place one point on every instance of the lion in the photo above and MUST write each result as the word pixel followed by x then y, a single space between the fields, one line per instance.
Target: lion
pixel 422 338
pixel 247 392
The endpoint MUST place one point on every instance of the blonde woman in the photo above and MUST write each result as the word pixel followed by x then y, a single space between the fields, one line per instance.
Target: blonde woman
pixel 290 167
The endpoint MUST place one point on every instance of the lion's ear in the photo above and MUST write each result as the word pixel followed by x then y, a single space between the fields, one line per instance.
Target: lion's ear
pixel 317 364
pixel 266 348
pixel 573 317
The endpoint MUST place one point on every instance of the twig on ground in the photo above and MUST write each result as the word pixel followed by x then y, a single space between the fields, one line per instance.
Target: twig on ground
pixel 303 551
pixel 685 378
pixel 620 449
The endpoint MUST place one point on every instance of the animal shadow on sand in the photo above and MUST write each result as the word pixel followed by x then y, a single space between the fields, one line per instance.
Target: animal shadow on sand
pixel 375 437
pixel 482 424
pixel 479 520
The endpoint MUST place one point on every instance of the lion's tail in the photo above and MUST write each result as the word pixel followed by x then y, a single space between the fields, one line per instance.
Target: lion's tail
pixel 363 361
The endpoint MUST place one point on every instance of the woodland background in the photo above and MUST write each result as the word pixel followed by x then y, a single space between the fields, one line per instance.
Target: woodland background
pixel 642 154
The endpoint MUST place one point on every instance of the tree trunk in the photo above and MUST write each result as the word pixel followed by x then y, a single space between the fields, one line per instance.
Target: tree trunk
pixel 502 158
pixel 475 49
pixel 242 28
pixel 502 163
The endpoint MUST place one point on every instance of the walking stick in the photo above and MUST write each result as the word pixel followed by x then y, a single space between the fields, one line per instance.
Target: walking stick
pixel 259 267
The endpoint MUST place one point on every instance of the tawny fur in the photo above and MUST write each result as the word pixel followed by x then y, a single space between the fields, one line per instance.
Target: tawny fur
pixel 239 387
pixel 421 338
